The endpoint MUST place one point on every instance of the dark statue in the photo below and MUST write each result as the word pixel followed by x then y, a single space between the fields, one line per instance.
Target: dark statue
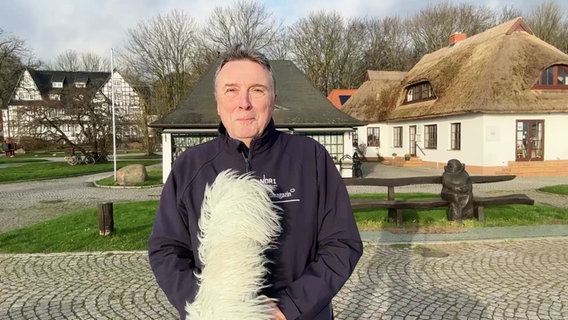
pixel 457 188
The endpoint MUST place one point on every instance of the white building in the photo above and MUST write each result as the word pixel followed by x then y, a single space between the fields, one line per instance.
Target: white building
pixel 42 93
pixel 497 101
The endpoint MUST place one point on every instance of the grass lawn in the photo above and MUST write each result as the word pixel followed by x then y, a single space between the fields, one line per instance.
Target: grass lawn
pixel 133 222
pixel 53 170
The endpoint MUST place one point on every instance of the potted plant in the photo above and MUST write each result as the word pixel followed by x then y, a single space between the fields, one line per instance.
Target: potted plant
pixel 394 155
pixel 407 157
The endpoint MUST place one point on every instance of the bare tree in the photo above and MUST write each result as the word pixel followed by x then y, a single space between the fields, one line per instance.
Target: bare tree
pixel 245 22
pixel 509 12
pixel 388 45
pixel 328 49
pixel 163 58
pixel 431 28
pixel 548 22
pixel 160 51
pixel 67 61
pixel 12 51
pixel 94 63
pixel 71 60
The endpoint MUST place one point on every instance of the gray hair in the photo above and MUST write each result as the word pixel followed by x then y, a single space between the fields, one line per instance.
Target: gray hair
pixel 238 53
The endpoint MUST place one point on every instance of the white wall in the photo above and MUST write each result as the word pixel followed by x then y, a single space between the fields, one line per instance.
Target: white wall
pixel 486 140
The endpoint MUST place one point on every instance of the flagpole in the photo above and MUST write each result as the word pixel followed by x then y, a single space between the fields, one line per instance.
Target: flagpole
pixel 113 123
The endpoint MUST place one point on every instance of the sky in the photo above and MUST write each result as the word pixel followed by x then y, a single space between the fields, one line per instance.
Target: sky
pixel 95 26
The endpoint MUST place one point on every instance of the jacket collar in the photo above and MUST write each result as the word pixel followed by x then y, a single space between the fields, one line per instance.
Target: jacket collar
pixel 260 144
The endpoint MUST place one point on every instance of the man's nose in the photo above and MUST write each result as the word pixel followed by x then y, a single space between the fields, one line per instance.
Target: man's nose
pixel 244 100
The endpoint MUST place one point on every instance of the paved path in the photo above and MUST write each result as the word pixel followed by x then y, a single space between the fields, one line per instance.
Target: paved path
pixel 511 278
pixel 522 279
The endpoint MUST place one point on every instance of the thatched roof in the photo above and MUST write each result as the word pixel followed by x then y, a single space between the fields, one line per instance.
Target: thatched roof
pixel 299 103
pixel 491 72
pixel 365 104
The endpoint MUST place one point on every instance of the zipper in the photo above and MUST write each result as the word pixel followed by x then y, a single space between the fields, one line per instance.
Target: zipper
pixel 245 152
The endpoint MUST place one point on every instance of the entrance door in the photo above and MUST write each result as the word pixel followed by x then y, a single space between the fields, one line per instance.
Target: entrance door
pixel 412 142
pixel 530 140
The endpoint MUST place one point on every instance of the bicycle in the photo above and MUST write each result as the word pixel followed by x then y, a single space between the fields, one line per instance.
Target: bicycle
pixel 77 158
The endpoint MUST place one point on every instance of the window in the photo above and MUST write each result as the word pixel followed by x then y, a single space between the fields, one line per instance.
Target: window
pixel 355 136
pixel 373 137
pixel 419 92
pixel 456 136
pixel 397 137
pixel 25 96
pixel 343 98
pixel 431 136
pixel 54 96
pixel 332 142
pixel 57 84
pixel 530 140
pixel 80 84
pixel 553 78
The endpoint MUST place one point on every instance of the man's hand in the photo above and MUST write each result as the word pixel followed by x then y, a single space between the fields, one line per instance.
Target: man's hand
pixel 278 315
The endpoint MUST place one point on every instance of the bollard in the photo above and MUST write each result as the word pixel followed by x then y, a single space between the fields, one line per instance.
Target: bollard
pixel 106 220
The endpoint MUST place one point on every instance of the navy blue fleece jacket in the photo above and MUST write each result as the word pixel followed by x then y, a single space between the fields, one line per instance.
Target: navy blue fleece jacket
pixel 319 245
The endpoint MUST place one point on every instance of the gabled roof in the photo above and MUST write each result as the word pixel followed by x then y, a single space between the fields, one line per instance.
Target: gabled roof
pixel 44 79
pixel 491 72
pixel 299 103
pixel 338 97
pixel 363 105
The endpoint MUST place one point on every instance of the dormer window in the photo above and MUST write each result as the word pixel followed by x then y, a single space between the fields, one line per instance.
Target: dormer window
pixel 81 82
pixel 419 92
pixel 57 84
pixel 554 77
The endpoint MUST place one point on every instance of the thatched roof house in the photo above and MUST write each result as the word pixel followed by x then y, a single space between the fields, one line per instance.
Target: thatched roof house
pixel 488 99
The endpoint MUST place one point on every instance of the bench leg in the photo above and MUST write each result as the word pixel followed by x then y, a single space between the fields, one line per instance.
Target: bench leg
pixel 479 213
pixel 399 218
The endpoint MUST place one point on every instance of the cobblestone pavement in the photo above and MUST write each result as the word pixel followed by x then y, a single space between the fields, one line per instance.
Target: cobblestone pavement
pixel 520 279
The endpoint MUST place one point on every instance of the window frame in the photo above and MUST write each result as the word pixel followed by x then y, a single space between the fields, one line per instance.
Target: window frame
pixel 419 92
pixel 455 136
pixel 551 74
pixel 375 133
pixel 397 137
pixel 431 136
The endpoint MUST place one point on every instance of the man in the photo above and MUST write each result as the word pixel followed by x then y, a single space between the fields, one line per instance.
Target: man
pixel 319 245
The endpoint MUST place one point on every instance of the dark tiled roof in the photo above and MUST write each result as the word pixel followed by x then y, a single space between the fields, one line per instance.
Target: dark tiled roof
pixel 299 103
pixel 44 78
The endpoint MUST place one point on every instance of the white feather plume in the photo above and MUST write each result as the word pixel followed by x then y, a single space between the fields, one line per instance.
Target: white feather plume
pixel 238 224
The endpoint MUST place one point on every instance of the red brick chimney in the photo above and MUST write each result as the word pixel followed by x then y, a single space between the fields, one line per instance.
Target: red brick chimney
pixel 458 36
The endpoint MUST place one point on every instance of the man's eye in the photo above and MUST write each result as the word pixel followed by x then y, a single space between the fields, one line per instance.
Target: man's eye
pixel 258 91
pixel 231 91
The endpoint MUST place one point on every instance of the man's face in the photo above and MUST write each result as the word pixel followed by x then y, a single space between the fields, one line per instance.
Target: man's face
pixel 245 99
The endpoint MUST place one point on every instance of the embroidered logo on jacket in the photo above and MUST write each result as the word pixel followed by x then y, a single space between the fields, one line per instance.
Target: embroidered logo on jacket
pixel 280 195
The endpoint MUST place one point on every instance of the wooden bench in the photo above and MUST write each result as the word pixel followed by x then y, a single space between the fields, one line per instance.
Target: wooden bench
pixel 396 207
